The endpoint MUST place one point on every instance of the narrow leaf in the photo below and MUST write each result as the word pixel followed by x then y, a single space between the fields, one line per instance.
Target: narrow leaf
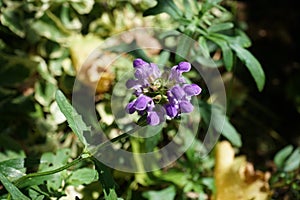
pixel 252 64
pixel 226 51
pixel 183 49
pixel 12 189
pixel 105 176
pixel 74 119
pixel 203 47
pixel 220 27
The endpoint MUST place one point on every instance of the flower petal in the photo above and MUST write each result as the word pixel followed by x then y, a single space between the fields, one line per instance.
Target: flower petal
pixel 130 107
pixel 192 89
pixel 184 67
pixel 132 84
pixel 171 110
pixel 155 72
pixel 186 107
pixel 153 118
pixel 142 102
pixel 177 92
pixel 139 63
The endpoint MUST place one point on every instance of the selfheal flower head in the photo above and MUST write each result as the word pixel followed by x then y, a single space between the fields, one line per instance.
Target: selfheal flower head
pixel 160 95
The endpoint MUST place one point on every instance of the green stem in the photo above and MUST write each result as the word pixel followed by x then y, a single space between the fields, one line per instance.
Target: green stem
pixel 122 136
pixel 77 160
pixel 28 176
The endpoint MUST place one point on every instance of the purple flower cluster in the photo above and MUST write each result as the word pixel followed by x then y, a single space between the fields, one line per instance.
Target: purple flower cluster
pixel 160 95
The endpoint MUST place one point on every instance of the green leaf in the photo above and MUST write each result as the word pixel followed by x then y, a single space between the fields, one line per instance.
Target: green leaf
pixel 163 58
pixel 44 92
pixel 220 122
pixel 282 155
pixel 83 6
pixel 12 189
pixel 164 6
pixel 231 134
pixel 112 195
pixel 13 168
pixel 13 18
pixel 220 27
pixel 105 177
pixel 242 39
pixel 183 47
pixel 226 51
pixel 82 176
pixel 167 194
pixel 188 12
pixel 252 64
pixel 175 176
pixel 293 162
pixel 50 27
pixel 50 161
pixel 203 47
pixel 74 119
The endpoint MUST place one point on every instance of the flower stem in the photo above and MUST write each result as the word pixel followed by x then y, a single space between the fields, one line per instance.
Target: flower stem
pixel 37 174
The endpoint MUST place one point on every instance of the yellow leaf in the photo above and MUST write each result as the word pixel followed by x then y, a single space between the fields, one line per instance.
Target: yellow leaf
pixel 90 64
pixel 236 178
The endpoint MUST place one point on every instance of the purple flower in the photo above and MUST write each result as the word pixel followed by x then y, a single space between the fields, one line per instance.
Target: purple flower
pixel 159 95
pixel 192 89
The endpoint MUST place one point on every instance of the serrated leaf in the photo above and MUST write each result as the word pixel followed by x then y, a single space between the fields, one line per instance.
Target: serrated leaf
pixel 168 194
pixel 220 27
pixel 252 65
pixel 12 189
pixel 164 6
pixel 74 119
pixel 112 195
pixel 82 176
pixel 282 155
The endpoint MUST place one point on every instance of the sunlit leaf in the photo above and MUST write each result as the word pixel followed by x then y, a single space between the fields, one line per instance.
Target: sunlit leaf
pixel 74 119
pixel 164 6
pixel 12 189
pixel 13 18
pixel 235 178
pixel 82 176
pixel 13 168
pixel 167 194
pixel 45 92
pixel 220 27
pixel 83 6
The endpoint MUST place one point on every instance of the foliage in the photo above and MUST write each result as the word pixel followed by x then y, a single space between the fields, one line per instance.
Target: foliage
pixel 44 45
